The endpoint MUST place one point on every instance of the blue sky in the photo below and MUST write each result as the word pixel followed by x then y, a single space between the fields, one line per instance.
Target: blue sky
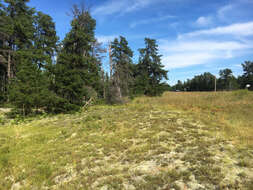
pixel 194 36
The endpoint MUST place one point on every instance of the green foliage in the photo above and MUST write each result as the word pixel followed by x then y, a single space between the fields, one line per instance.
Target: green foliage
pixel 179 86
pixel 16 33
pixel 203 82
pixel 19 23
pixel 37 83
pixel 76 72
pixel 45 39
pixel 29 90
pixel 227 81
pixel 122 63
pixel 120 83
pixel 30 37
pixel 149 72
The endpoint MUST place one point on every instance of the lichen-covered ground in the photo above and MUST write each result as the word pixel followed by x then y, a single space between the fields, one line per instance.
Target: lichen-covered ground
pixel 134 146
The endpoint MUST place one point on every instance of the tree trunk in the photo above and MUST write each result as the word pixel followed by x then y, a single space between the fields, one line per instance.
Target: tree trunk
pixel 110 57
pixel 9 66
pixel 118 87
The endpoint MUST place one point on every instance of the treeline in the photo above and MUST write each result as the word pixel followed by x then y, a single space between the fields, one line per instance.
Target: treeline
pixel 226 80
pixel 40 73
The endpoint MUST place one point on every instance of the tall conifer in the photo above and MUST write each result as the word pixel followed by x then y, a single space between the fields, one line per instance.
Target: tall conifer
pixel 150 72
pixel 76 71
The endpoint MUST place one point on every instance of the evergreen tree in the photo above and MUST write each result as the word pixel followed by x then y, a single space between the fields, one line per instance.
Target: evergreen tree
pixel 32 41
pixel 45 39
pixel 76 71
pixel 122 61
pixel 150 70
pixel 18 32
pixel 19 24
pixel 29 89
pixel 4 54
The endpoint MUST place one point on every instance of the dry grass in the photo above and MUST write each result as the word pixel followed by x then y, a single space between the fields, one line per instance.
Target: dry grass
pixel 146 144
pixel 229 112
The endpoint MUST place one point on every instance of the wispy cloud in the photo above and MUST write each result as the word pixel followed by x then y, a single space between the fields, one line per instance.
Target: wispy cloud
pixel 235 10
pixel 201 45
pixel 221 13
pixel 204 21
pixel 239 29
pixel 106 39
pixel 205 46
pixel 179 53
pixel 181 60
pixel 232 12
pixel 122 6
pixel 150 20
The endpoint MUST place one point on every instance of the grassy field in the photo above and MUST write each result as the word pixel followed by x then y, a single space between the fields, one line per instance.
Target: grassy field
pixel 177 141
pixel 231 112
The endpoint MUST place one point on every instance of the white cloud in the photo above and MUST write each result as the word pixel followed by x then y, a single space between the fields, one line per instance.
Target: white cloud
pixel 202 45
pixel 106 39
pixel 239 29
pixel 122 6
pixel 205 46
pixel 179 53
pixel 151 20
pixel 138 4
pixel 108 8
pixel 180 60
pixel 204 21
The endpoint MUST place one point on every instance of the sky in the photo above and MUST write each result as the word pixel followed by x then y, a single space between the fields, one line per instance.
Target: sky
pixel 194 36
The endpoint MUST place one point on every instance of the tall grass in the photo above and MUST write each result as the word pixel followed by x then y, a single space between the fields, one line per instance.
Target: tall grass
pixel 230 112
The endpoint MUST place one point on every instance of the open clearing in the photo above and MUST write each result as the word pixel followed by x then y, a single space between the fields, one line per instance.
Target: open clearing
pixel 146 144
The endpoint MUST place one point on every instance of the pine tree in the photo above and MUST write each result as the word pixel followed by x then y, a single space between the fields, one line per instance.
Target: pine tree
pixel 29 89
pixel 45 39
pixel 76 72
pixel 150 72
pixel 18 29
pixel 19 24
pixel 32 41
pixel 122 72
pixel 4 54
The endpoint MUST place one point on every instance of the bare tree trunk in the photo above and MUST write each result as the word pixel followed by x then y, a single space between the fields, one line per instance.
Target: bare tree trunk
pixel 104 92
pixel 110 56
pixel 118 87
pixel 9 66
